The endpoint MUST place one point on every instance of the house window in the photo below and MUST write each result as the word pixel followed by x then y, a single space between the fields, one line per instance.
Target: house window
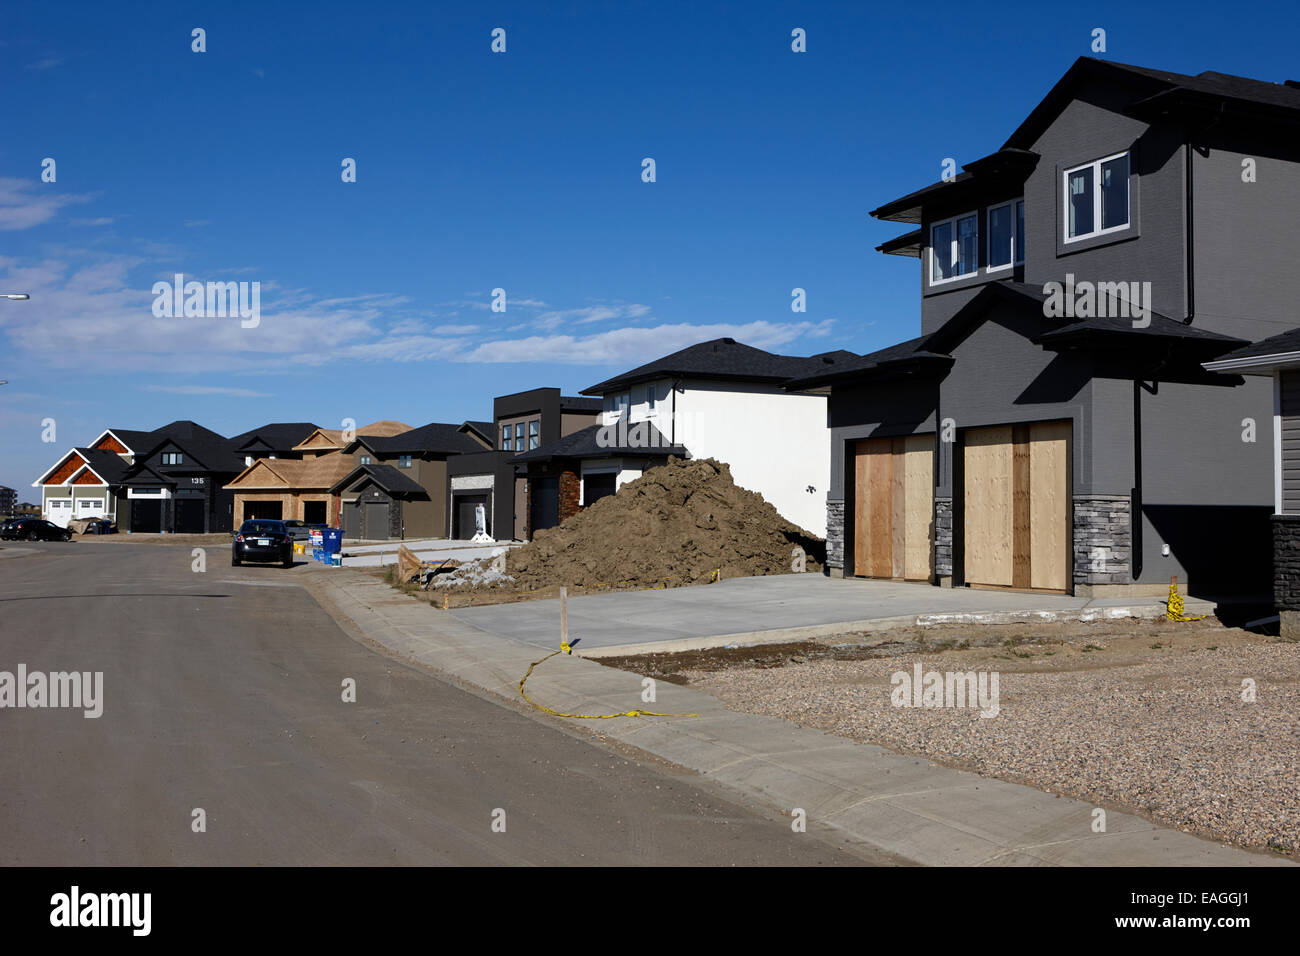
pixel 534 436
pixel 1006 235
pixel 954 248
pixel 365 459
pixel 507 437
pixel 1096 198
pixel 172 458
pixel 403 461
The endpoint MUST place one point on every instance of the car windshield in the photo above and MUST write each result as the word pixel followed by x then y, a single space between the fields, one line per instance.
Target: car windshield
pixel 262 527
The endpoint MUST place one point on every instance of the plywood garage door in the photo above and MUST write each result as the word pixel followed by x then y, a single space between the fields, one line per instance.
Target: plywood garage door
pixel 893 511
pixel 1016 506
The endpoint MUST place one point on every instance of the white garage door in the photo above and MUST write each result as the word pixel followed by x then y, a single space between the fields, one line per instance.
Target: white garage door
pixel 60 511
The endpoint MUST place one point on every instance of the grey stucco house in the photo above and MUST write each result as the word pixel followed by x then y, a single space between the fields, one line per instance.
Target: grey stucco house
pixel 1053 426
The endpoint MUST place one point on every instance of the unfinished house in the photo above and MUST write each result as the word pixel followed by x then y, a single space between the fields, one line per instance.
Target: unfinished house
pixel 719 399
pixel 1052 427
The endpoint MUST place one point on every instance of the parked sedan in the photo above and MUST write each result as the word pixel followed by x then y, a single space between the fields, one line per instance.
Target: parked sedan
pixel 33 529
pixel 300 530
pixel 262 539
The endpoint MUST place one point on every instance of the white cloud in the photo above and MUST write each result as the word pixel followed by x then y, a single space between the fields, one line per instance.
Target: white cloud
pixel 628 345
pixel 25 203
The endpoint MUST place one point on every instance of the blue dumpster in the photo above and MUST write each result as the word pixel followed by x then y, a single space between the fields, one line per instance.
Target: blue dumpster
pixel 331 540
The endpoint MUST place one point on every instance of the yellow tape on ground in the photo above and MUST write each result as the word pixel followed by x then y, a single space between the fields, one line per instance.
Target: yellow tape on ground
pixel 566 649
pixel 1175 610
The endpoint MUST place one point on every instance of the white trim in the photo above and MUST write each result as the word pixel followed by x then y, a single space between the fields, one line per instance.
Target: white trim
pixel 40 482
pixel 1017 241
pixel 953 251
pixel 1096 199
pixel 1277 443
pixel 108 431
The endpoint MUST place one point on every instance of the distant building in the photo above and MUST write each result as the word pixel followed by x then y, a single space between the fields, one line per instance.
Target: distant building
pixel 8 500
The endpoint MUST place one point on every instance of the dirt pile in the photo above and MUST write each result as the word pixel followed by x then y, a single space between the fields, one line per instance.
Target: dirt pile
pixel 679 523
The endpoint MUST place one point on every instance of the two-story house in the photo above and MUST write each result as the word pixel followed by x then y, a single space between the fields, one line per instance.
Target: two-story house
pixel 718 399
pixel 1052 427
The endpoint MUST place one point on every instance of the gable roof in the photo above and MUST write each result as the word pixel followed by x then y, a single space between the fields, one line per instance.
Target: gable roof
pixel 386 477
pixel 586 443
pixel 895 361
pixel 722 359
pixel 132 440
pixel 311 474
pixel 333 437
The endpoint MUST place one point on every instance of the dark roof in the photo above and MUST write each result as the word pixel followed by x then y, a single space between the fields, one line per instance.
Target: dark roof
pixel 202 445
pixel 577 403
pixel 639 439
pixel 137 441
pixel 107 464
pixel 1285 344
pixel 908 244
pixel 485 429
pixel 143 475
pixel 1154 94
pixel 1162 91
pixel 723 359
pixel 898 360
pixel 435 437
pixel 280 436
pixel 998 172
pixel 385 476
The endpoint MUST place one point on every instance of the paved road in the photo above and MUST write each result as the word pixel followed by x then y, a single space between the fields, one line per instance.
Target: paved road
pixel 222 691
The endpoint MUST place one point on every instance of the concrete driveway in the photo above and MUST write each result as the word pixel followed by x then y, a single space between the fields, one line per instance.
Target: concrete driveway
pixel 791 606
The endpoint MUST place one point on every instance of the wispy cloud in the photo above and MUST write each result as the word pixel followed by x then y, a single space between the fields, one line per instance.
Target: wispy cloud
pixel 25 203
pixel 206 390
pixel 46 63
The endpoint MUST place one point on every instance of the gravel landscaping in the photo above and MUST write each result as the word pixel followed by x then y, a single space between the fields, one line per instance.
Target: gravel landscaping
pixel 1136 715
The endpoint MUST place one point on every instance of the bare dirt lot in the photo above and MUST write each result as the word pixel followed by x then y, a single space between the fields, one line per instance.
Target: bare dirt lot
pixel 1149 716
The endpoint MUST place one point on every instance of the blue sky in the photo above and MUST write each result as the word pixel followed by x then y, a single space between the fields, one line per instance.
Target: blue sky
pixel 476 171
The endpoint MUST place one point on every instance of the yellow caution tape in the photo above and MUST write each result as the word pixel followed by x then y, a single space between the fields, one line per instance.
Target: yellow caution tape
pixel 1175 611
pixel 567 649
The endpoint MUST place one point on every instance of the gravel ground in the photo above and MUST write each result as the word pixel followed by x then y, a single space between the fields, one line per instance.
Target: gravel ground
pixel 1145 716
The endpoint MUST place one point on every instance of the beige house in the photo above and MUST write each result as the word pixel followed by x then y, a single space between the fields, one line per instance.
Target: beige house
pixel 300 489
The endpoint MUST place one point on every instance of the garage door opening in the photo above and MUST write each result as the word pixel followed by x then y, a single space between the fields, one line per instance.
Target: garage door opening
pixel 190 513
pixel 1016 506
pixel 146 516
pixel 313 512
pixel 893 513
pixel 466 518
pixel 262 509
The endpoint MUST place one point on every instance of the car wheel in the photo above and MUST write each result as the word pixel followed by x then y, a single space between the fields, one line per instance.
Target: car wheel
pixel 33 536
pixel 288 561
pixel 67 536
pixel 234 561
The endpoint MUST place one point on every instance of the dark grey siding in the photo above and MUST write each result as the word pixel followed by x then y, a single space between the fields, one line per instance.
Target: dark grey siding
pixel 1290 412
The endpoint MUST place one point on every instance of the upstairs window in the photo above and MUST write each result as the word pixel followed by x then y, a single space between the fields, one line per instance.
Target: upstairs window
pixel 403 461
pixel 507 437
pixel 1006 235
pixel 534 434
pixel 954 248
pixel 1096 198
pixel 365 459
pixel 172 458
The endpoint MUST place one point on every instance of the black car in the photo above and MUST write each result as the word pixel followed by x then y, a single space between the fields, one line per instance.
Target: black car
pixel 33 529
pixel 262 539
pixel 300 530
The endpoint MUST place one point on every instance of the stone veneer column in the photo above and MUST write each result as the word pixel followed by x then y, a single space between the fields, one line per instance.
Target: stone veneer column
pixel 835 537
pixel 1286 573
pixel 1103 540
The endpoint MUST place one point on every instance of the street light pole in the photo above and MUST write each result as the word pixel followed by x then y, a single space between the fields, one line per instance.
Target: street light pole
pixel 15 297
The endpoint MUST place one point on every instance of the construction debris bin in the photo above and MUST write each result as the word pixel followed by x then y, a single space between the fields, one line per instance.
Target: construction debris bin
pixel 331 540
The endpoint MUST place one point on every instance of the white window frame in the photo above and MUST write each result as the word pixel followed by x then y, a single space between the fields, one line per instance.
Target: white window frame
pixel 953 250
pixel 1017 241
pixel 173 458
pixel 1095 165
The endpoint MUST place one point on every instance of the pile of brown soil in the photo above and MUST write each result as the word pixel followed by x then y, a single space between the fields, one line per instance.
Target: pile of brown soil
pixel 681 523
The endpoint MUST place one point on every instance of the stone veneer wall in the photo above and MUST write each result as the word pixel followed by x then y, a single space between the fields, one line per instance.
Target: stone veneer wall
pixel 1102 524
pixel 834 534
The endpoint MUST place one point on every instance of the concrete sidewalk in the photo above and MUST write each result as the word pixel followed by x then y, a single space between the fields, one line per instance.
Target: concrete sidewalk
pixel 779 608
pixel 898 804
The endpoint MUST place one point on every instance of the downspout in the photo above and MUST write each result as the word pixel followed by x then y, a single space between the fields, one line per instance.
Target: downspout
pixel 1190 252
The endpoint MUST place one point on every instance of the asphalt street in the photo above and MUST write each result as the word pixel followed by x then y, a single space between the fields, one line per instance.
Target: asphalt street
pixel 223 693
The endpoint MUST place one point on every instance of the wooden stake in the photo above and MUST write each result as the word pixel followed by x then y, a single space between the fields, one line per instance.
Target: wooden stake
pixel 564 615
